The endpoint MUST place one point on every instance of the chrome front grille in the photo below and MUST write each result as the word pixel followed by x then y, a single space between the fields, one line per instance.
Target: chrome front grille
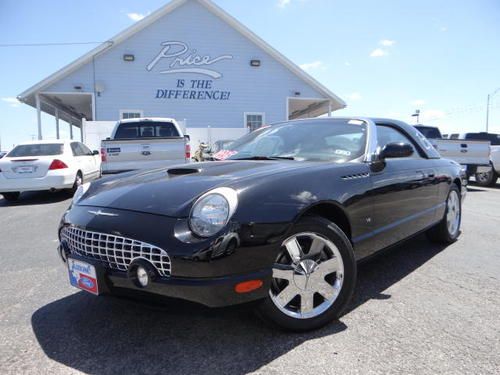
pixel 115 251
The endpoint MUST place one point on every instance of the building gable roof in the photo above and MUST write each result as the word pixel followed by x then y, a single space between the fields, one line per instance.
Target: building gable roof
pixel 336 102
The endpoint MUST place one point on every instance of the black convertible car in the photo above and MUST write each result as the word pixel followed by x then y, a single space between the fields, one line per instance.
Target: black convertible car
pixel 282 221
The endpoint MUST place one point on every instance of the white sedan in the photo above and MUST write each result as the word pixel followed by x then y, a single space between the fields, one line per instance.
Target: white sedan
pixel 47 165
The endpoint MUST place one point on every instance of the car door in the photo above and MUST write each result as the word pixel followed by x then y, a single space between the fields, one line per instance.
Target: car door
pixel 405 192
pixel 79 162
pixel 90 162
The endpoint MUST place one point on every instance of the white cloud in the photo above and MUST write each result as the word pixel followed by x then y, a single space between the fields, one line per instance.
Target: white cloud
pixel 135 16
pixel 443 29
pixel 313 66
pixel 387 42
pixel 283 3
pixel 378 52
pixel 418 102
pixel 347 63
pixel 11 101
pixel 354 96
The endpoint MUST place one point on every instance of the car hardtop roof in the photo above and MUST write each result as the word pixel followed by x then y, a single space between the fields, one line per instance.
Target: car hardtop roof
pixel 376 120
pixel 139 119
pixel 48 141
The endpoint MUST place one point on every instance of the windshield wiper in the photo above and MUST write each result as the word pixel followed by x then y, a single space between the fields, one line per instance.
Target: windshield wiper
pixel 265 158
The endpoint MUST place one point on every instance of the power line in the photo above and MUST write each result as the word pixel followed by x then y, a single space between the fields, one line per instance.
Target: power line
pixel 47 44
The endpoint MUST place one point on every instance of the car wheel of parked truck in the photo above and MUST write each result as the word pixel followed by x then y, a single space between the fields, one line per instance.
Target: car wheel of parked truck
pixel 487 179
pixel 313 277
pixel 11 197
pixel 448 229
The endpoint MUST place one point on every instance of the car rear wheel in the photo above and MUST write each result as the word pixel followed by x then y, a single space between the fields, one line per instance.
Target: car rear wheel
pixel 78 182
pixel 313 277
pixel 448 229
pixel 487 179
pixel 11 197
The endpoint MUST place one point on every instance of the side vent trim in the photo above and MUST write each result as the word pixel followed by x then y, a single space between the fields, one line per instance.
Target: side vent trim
pixel 356 176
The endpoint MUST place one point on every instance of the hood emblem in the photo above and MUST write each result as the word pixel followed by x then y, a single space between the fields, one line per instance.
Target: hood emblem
pixel 102 213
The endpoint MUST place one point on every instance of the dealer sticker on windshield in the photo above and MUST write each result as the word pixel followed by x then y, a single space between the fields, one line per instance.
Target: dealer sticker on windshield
pixel 83 276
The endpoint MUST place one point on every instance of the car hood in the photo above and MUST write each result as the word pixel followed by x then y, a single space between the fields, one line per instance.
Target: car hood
pixel 171 191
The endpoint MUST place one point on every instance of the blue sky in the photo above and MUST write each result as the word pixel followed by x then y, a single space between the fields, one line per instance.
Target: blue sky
pixel 384 58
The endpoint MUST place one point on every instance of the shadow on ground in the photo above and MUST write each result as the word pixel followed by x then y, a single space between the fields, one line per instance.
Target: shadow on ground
pixel 37 198
pixel 111 335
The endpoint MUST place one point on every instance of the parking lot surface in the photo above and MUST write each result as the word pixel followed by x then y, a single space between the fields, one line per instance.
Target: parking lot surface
pixel 419 309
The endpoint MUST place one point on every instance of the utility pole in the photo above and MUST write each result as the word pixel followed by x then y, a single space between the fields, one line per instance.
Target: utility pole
pixel 488 108
pixel 417 115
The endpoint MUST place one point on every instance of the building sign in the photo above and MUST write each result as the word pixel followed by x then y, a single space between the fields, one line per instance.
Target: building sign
pixel 193 89
pixel 183 60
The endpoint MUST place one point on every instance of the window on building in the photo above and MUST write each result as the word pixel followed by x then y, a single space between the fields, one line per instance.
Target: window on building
pixel 254 121
pixel 130 113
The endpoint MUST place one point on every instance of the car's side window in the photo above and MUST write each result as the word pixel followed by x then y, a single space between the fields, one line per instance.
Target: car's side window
pixel 85 150
pixel 75 149
pixel 387 134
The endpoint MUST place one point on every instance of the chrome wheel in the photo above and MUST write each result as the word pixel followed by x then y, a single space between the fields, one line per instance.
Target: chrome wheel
pixel 453 213
pixel 307 276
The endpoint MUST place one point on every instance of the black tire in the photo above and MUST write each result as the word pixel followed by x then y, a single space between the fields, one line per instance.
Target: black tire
pixel 487 179
pixel 78 182
pixel 268 310
pixel 440 233
pixel 11 197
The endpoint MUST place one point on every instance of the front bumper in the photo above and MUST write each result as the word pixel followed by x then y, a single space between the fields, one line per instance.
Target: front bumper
pixel 205 272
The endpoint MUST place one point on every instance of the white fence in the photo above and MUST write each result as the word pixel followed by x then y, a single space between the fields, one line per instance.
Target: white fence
pixel 95 131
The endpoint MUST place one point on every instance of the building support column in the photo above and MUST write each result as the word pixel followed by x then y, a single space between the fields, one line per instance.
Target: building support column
pixel 39 116
pixel 57 124
pixel 329 109
pixel 70 122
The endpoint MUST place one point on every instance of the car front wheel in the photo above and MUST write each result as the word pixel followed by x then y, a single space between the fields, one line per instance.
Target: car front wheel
pixel 313 277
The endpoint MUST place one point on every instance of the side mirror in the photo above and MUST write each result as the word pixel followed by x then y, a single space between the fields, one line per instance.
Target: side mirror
pixel 95 152
pixel 396 150
pixel 187 137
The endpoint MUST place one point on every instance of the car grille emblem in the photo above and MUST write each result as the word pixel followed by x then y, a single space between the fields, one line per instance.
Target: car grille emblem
pixel 102 213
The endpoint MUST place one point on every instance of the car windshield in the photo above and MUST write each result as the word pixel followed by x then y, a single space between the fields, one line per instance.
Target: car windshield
pixel 315 140
pixel 45 149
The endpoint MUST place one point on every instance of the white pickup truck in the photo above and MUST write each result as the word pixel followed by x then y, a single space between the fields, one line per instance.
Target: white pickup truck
pixel 485 176
pixel 144 143
pixel 473 154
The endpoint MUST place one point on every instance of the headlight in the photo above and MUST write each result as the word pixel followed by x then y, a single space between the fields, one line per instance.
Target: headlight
pixel 212 211
pixel 82 189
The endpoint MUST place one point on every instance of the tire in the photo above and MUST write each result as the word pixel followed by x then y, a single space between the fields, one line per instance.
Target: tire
pixel 487 179
pixel 78 182
pixel 11 197
pixel 448 229
pixel 319 283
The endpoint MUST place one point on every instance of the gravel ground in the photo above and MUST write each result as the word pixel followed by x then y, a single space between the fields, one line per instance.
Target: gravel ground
pixel 418 309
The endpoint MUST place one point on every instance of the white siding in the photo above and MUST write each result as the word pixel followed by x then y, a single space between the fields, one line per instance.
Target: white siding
pixel 130 85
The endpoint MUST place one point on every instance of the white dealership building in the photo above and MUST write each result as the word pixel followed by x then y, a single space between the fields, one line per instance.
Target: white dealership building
pixel 189 60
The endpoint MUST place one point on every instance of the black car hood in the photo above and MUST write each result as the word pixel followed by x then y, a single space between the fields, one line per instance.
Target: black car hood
pixel 171 191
